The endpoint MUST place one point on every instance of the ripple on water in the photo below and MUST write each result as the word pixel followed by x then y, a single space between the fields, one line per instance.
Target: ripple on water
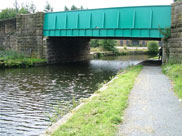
pixel 28 95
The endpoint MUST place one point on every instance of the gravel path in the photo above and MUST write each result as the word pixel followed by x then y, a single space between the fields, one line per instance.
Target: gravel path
pixel 154 109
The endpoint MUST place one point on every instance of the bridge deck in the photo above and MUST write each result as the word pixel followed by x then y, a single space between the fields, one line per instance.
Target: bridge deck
pixel 121 22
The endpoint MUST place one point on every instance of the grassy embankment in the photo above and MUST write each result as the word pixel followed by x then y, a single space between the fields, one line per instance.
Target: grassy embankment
pixel 13 59
pixel 101 114
pixel 174 71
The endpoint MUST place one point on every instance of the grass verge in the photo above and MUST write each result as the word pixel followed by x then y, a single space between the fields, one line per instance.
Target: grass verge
pixel 174 71
pixel 101 115
pixel 119 51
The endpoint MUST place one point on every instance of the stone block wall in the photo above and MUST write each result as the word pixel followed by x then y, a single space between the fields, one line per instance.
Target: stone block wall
pixel 173 50
pixel 67 49
pixel 24 34
pixel 8 34
pixel 29 30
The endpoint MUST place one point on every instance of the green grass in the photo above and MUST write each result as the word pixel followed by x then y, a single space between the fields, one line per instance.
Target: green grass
pixel 155 58
pixel 120 51
pixel 11 58
pixel 101 115
pixel 98 50
pixel 174 71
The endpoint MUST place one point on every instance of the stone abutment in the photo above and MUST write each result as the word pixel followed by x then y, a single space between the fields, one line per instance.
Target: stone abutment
pixel 25 35
pixel 173 47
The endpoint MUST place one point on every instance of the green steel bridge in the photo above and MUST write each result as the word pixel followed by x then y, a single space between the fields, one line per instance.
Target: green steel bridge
pixel 122 22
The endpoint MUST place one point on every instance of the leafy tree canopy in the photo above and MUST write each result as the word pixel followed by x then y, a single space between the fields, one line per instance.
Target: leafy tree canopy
pixel 23 9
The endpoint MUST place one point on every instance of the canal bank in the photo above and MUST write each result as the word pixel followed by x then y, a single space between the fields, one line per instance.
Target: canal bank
pixel 105 109
pixel 13 59
pixel 102 112
pixel 32 94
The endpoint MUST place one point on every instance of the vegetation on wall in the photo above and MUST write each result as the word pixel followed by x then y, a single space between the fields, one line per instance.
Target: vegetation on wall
pixel 166 33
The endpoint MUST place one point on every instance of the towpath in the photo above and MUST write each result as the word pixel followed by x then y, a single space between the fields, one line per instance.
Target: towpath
pixel 154 109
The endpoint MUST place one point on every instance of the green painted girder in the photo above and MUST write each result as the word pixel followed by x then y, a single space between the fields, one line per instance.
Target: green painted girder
pixel 132 22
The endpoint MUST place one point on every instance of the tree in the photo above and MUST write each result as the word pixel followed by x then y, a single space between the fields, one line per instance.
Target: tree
pixel 8 13
pixel 30 7
pixel 153 47
pixel 108 45
pixel 66 8
pixel 12 12
pixel 22 11
pixel 81 8
pixel 48 7
pixel 16 5
pixel 94 43
pixel 73 7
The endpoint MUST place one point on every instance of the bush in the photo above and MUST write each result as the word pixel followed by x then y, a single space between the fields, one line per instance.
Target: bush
pixel 11 12
pixel 125 47
pixel 153 47
pixel 108 45
pixel 94 43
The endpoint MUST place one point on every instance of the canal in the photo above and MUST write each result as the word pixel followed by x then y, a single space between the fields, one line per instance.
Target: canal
pixel 28 97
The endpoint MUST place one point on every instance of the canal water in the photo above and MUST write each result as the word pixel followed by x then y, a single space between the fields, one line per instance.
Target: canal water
pixel 28 97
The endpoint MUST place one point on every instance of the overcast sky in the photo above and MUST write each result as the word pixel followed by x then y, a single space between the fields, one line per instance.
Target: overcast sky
pixel 58 5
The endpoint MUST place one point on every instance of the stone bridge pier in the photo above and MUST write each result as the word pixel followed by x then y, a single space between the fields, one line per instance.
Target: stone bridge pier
pixel 173 47
pixel 61 49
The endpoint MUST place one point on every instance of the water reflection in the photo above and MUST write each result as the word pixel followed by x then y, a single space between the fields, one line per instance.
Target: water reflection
pixel 27 94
